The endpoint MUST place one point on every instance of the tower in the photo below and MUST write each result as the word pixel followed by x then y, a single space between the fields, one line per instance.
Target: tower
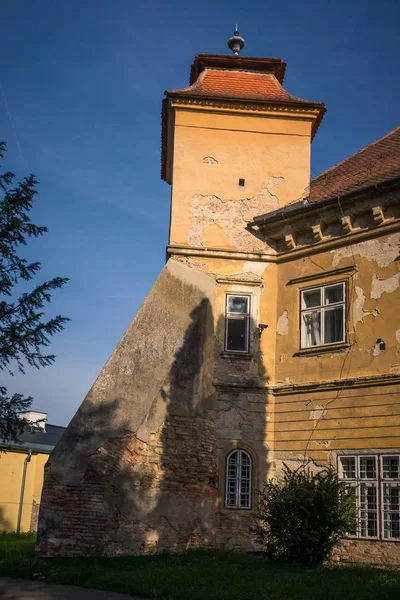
pixel 168 448
pixel 236 144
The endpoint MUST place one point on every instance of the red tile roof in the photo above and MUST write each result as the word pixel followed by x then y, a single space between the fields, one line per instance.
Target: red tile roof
pixel 378 162
pixel 239 85
pixel 237 79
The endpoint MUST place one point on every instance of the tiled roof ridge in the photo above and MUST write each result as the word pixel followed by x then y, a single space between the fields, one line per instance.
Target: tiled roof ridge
pixel 271 77
pixel 358 152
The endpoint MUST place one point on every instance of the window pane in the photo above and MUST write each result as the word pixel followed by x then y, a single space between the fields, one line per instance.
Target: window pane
pixel 238 304
pixel 368 510
pixel 312 298
pixel 237 334
pixel 245 478
pixel 231 479
pixel 391 510
pixel 333 325
pixel 352 490
pixel 311 329
pixel 390 467
pixel 334 294
pixel 348 467
pixel 367 467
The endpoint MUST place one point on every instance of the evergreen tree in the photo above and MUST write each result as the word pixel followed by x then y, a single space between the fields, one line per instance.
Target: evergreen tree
pixel 24 330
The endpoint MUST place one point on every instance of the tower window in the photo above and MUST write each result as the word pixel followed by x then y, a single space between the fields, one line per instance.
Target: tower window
pixel 241 182
pixel 238 480
pixel 237 322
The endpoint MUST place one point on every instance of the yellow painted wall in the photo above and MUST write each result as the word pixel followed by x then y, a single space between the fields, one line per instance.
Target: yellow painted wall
pixel 373 293
pixel 212 150
pixel 11 471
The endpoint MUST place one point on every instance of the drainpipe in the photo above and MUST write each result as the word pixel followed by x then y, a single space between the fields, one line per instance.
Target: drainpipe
pixel 21 500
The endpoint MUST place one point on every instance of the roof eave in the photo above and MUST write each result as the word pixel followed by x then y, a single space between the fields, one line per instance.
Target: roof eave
pixel 304 206
pixel 241 63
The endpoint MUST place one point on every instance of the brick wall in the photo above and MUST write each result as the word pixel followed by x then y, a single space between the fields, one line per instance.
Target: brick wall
pixel 137 497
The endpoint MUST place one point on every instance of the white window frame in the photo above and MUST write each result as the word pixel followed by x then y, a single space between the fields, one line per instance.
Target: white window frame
pixel 322 308
pixel 378 482
pixel 239 316
pixel 238 480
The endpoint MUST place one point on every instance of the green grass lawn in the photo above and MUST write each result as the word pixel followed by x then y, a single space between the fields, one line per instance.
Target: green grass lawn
pixel 199 575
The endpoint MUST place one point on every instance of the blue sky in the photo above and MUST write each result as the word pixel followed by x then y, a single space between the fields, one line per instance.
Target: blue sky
pixel 82 83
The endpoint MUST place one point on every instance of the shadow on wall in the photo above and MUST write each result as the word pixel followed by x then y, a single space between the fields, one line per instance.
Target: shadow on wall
pixel 243 423
pixel 158 488
pixel 5 523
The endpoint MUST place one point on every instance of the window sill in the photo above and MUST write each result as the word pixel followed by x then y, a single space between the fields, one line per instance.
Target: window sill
pixel 315 350
pixel 240 355
pixel 353 538
pixel 241 512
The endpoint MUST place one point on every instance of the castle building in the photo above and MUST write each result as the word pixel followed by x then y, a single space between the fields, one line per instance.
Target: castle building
pixel 271 335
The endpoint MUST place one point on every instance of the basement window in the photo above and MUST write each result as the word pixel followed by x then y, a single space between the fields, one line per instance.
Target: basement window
pixel 237 323
pixel 375 480
pixel 323 315
pixel 238 480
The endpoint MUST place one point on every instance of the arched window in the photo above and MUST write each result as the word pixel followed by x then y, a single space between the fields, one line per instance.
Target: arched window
pixel 238 479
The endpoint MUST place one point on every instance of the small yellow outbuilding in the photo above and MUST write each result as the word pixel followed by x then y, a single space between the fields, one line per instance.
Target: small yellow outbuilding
pixel 21 473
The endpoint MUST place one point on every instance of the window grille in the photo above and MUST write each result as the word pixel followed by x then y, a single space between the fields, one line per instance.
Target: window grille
pixel 376 480
pixel 238 480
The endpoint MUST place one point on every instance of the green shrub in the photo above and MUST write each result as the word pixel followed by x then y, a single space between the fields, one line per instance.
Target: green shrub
pixel 304 516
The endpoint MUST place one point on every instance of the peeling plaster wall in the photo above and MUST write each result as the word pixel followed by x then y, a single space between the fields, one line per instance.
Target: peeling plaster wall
pixel 283 324
pixel 363 417
pixel 228 219
pixel 373 295
pixel 212 151
pixel 382 251
pixel 380 286
pixel 359 313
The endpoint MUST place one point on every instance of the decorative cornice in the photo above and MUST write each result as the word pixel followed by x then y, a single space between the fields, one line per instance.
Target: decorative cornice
pixel 312 111
pixel 344 240
pixel 311 386
pixel 241 281
pixel 323 274
pixel 334 384
pixel 292 252
pixel 183 250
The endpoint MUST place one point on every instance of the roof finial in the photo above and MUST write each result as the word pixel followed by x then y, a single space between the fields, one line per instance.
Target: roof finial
pixel 236 42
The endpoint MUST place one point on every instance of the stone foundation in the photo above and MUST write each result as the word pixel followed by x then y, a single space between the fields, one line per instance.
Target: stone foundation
pixel 375 552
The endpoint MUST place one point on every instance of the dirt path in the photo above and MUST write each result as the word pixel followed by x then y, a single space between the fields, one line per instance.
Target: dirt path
pixel 24 589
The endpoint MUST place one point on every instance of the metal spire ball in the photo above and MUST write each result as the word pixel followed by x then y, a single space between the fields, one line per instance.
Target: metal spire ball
pixel 236 42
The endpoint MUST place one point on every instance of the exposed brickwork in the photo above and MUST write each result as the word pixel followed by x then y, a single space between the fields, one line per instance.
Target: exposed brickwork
pixel 233 530
pixel 34 516
pixel 385 553
pixel 100 516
